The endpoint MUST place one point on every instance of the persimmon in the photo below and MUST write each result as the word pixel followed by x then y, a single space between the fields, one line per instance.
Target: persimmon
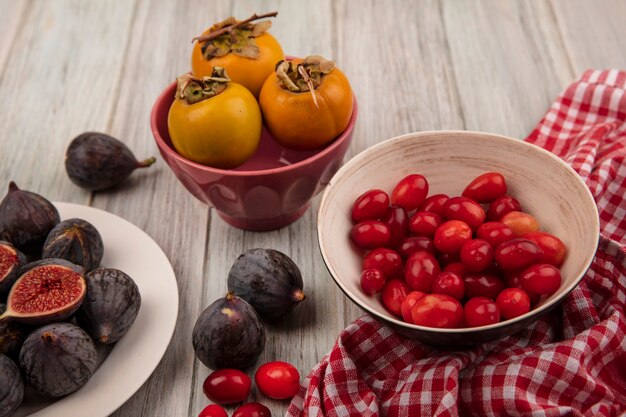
pixel 214 121
pixel 245 49
pixel 306 103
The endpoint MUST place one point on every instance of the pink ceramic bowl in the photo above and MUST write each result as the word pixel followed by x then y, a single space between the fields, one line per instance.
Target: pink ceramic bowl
pixel 271 190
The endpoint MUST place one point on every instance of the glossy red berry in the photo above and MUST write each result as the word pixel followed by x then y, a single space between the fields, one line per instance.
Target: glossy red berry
pixel 456 268
pixel 476 255
pixel 424 223
pixel 552 247
pixel 513 302
pixel 421 268
pixel 502 206
pixel 520 222
pixel 227 386
pixel 486 187
pixel 252 410
pixel 451 236
pixel 372 281
pixel 450 284
pixel 466 210
pixel 278 380
pixel 517 254
pixel 415 243
pixel 482 285
pixel 370 234
pixel 495 233
pixel 543 279
pixel 388 261
pixel 371 205
pixel 434 204
pixel 408 303
pixel 394 293
pixel 437 310
pixel 213 410
pixel 398 222
pixel 481 311
pixel 410 192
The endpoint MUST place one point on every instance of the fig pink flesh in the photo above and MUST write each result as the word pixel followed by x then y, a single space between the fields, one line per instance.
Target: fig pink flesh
pixel 46 288
pixel 8 260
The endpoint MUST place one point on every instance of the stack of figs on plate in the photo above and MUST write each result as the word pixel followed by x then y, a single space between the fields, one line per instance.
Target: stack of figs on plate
pixel 56 302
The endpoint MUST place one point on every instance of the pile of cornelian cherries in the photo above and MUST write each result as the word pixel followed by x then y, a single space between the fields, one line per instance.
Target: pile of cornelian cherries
pixel 451 262
pixel 241 81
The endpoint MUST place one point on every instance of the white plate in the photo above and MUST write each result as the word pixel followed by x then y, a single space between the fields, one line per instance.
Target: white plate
pixel 133 359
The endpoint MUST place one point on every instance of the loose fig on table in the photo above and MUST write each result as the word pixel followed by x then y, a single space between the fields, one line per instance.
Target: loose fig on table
pixel 96 161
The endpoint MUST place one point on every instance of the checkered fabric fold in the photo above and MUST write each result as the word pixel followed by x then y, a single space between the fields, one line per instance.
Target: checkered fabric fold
pixel 571 362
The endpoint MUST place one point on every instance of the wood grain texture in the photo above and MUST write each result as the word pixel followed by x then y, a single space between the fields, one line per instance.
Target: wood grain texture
pixel 58 81
pixel 67 66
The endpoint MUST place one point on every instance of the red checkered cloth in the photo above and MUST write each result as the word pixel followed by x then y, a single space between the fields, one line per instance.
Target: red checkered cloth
pixel 571 362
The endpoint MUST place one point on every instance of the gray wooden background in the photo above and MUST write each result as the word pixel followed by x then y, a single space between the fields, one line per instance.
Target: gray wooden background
pixel 70 66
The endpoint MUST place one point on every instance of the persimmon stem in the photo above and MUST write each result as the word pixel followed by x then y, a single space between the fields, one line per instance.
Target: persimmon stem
pixel 229 29
pixel 307 80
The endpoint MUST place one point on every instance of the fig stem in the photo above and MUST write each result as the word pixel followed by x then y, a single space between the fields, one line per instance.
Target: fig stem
pixel 13 187
pixel 229 29
pixel 230 296
pixel 299 296
pixel 146 163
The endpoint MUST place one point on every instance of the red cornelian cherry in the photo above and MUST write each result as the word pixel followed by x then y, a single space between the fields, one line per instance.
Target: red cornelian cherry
pixel 502 206
pixel 552 247
pixel 476 255
pixel 495 233
pixel 513 302
pixel 481 311
pixel 372 281
pixel 394 293
pixel 451 236
pixel 520 222
pixel 543 279
pixel 227 386
pixel 410 192
pixel 388 261
pixel 398 222
pixel 486 187
pixel 421 268
pixel 278 380
pixel 456 268
pixel 450 284
pixel 370 234
pixel 482 285
pixel 371 205
pixel 434 204
pixel 466 210
pixel 252 410
pixel 408 303
pixel 437 310
pixel 517 253
pixel 213 410
pixel 415 243
pixel 424 223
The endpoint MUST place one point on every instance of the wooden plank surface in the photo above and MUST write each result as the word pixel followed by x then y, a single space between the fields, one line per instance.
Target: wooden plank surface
pixel 69 66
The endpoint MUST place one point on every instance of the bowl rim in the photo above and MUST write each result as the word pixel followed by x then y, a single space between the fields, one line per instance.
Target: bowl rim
pixel 473 134
pixel 171 89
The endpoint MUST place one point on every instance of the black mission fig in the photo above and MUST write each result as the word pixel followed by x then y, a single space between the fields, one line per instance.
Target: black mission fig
pixel 111 305
pixel 11 260
pixel 11 387
pixel 267 279
pixel 58 359
pixel 96 161
pixel 228 334
pixel 77 241
pixel 47 291
pixel 26 219
pixel 12 336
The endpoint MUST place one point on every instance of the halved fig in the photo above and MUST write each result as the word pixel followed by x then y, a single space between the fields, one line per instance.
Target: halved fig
pixel 11 260
pixel 48 291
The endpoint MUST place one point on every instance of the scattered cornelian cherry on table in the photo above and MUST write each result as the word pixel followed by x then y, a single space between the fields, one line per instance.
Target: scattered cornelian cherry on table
pixel 213 410
pixel 252 410
pixel 227 386
pixel 278 380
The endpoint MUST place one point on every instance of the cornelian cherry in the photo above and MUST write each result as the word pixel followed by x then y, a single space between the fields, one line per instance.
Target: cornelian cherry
pixel 213 410
pixel 476 255
pixel 278 380
pixel 421 268
pixel 450 284
pixel 398 222
pixel 517 254
pixel 227 386
pixel 434 204
pixel 410 192
pixel 394 293
pixel 502 206
pixel 451 235
pixel 252 410
pixel 495 233
pixel 408 303
pixel 513 302
pixel 481 311
pixel 520 222
pixel 552 247
pixel 466 210
pixel 543 279
pixel 372 281
pixel 437 310
pixel 413 244
pixel 370 234
pixel 371 205
pixel 482 285
pixel 424 223
pixel 486 187
pixel 456 268
pixel 388 261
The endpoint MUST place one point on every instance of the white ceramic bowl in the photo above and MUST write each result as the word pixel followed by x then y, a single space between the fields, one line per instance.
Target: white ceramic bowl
pixel 545 186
